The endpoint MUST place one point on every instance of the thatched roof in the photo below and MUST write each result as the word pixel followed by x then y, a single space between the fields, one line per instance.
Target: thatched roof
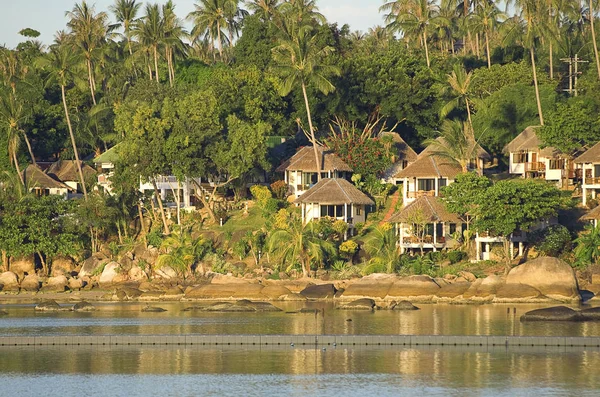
pixel 35 178
pixel 529 141
pixel 66 170
pixel 430 164
pixel 401 149
pixel 304 160
pixel 429 209
pixel 334 191
pixel 593 214
pixel 592 155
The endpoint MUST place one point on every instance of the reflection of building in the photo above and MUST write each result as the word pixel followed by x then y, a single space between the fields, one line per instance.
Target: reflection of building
pixel 300 171
pixel 431 171
pixel 425 224
pixel 589 164
pixel 335 198
pixel 43 185
pixel 528 159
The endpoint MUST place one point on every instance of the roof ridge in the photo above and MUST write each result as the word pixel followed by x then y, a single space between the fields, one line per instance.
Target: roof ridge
pixel 435 166
pixel 342 189
pixel 433 211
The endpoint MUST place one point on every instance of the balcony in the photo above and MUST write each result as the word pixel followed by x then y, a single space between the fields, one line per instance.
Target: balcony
pixel 592 181
pixel 535 167
pixel 412 240
pixel 421 193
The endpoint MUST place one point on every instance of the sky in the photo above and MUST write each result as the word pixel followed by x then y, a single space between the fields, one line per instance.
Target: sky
pixel 48 16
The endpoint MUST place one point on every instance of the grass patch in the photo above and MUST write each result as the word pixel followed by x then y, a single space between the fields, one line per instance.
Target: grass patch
pixel 238 221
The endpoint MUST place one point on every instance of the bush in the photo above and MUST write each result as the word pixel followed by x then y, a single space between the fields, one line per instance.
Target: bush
pixel 456 256
pixel 348 249
pixel 553 241
pixel 261 194
pixel 270 207
pixel 280 189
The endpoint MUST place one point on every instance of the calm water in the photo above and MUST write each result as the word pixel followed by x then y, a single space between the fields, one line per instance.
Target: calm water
pixel 293 371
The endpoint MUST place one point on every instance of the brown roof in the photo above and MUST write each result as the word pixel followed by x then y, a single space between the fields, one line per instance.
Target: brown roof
pixel 529 141
pixel 592 155
pixel 594 213
pixel 34 177
pixel 431 209
pixel 66 171
pixel 304 160
pixel 402 150
pixel 334 191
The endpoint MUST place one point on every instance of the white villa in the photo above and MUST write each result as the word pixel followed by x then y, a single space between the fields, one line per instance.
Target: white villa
pixel 334 198
pixel 589 163
pixel 43 185
pixel 300 171
pixel 402 156
pixel 66 172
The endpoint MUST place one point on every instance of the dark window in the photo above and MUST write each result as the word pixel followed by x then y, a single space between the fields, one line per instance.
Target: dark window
pixel 426 184
pixel 519 157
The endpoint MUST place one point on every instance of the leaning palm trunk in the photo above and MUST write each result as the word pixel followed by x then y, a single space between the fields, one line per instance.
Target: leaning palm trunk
pixel 426 50
pixel 79 170
pixel 535 83
pixel 487 50
pixel 16 161
pixel 156 63
pixel 91 81
pixel 594 38
pixel 219 41
pixel 312 132
pixel 29 148
pixel 160 206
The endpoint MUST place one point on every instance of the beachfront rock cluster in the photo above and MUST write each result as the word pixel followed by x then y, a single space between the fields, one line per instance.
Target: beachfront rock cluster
pixel 543 279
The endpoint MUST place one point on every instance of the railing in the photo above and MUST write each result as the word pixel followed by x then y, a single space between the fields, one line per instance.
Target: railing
pixel 592 181
pixel 535 167
pixel 421 193
pixel 425 240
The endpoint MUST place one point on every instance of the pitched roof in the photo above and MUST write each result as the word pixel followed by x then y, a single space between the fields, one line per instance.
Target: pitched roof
pixel 592 155
pixel 34 177
pixel 110 156
pixel 528 140
pixel 429 209
pixel 594 213
pixel 401 149
pixel 304 160
pixel 429 164
pixel 334 191
pixel 66 170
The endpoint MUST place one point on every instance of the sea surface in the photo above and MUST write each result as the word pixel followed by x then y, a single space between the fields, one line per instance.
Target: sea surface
pixel 294 371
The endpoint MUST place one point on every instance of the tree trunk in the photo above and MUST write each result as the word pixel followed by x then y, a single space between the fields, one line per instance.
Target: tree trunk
pixel 89 67
pixel 487 50
pixel 201 197
pixel 142 223
pixel 81 179
pixel 156 63
pixel 149 71
pixel 594 38
pixel 29 148
pixel 44 264
pixel 17 168
pixel 508 259
pixel 535 83
pixel 426 50
pixel 168 56
pixel 219 41
pixel 312 132
pixel 160 206
pixel 468 112
pixel 477 45
pixel 551 60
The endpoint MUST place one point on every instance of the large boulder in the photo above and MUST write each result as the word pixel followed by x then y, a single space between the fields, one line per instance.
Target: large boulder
pixel 22 265
pixel 275 291
pixel 320 291
pixel 76 283
pixel 31 283
pixel 557 313
pixel 359 304
pixel 370 287
pixel 136 274
pixel 489 286
pixel 92 264
pixel 243 305
pixel 166 272
pixel 83 306
pixel 111 270
pixel 63 265
pixel 453 290
pixel 517 293
pixel 48 306
pixel 590 314
pixel 414 286
pixel 472 291
pixel 226 291
pixel 9 281
pixel 146 254
pixel 403 306
pixel 551 276
pixel 56 284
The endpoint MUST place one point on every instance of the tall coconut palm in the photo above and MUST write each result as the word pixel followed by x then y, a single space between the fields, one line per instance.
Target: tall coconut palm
pixel 61 63
pixel 89 32
pixel 300 61
pixel 459 86
pixel 487 17
pixel 457 144
pixel 126 12
pixel 11 116
pixel 234 16
pixel 266 9
pixel 209 20
pixel 592 12
pixel 173 32
pixel 149 32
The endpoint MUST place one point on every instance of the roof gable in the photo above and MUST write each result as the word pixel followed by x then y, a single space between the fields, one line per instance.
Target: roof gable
pixel 528 140
pixel 334 191
pixel 35 178
pixel 592 155
pixel 429 209
pixel 304 160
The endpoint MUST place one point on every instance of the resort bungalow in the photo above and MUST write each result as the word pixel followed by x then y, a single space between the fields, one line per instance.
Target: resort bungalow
pixel 300 171
pixel 43 185
pixel 592 216
pixel 432 171
pixel 589 163
pixel 425 225
pixel 528 159
pixel 334 198
pixel 401 154
pixel 66 172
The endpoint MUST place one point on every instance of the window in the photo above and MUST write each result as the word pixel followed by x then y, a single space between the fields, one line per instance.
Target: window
pixel 358 210
pixel 452 228
pixel 596 170
pixel 557 164
pixel 333 211
pixel 519 157
pixel 309 178
pixel 426 184
pixel 442 182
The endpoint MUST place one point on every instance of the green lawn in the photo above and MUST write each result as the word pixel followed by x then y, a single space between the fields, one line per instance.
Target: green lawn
pixel 240 222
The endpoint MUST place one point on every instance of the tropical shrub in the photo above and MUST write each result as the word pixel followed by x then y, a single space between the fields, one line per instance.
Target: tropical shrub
pixel 553 241
pixel 280 189
pixel 456 256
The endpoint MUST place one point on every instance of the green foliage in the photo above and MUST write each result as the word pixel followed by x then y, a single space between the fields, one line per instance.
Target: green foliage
pixel 181 251
pixel 488 81
pixel 587 251
pixel 280 189
pixel 383 250
pixel 552 241
pixel 348 249
pixel 460 197
pixel 365 156
pixel 261 194
pixel 457 256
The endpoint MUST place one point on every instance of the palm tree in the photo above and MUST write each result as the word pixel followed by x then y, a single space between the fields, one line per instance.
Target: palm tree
pixel 457 144
pixel 459 86
pixel 181 251
pixel 149 31
pixel 487 18
pixel 60 63
pixel 126 12
pixel 266 9
pixel 587 251
pixel 300 62
pixel 299 244
pixel 234 16
pixel 209 20
pixel 383 250
pixel 172 35
pixel 11 116
pixel 593 32
pixel 89 31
